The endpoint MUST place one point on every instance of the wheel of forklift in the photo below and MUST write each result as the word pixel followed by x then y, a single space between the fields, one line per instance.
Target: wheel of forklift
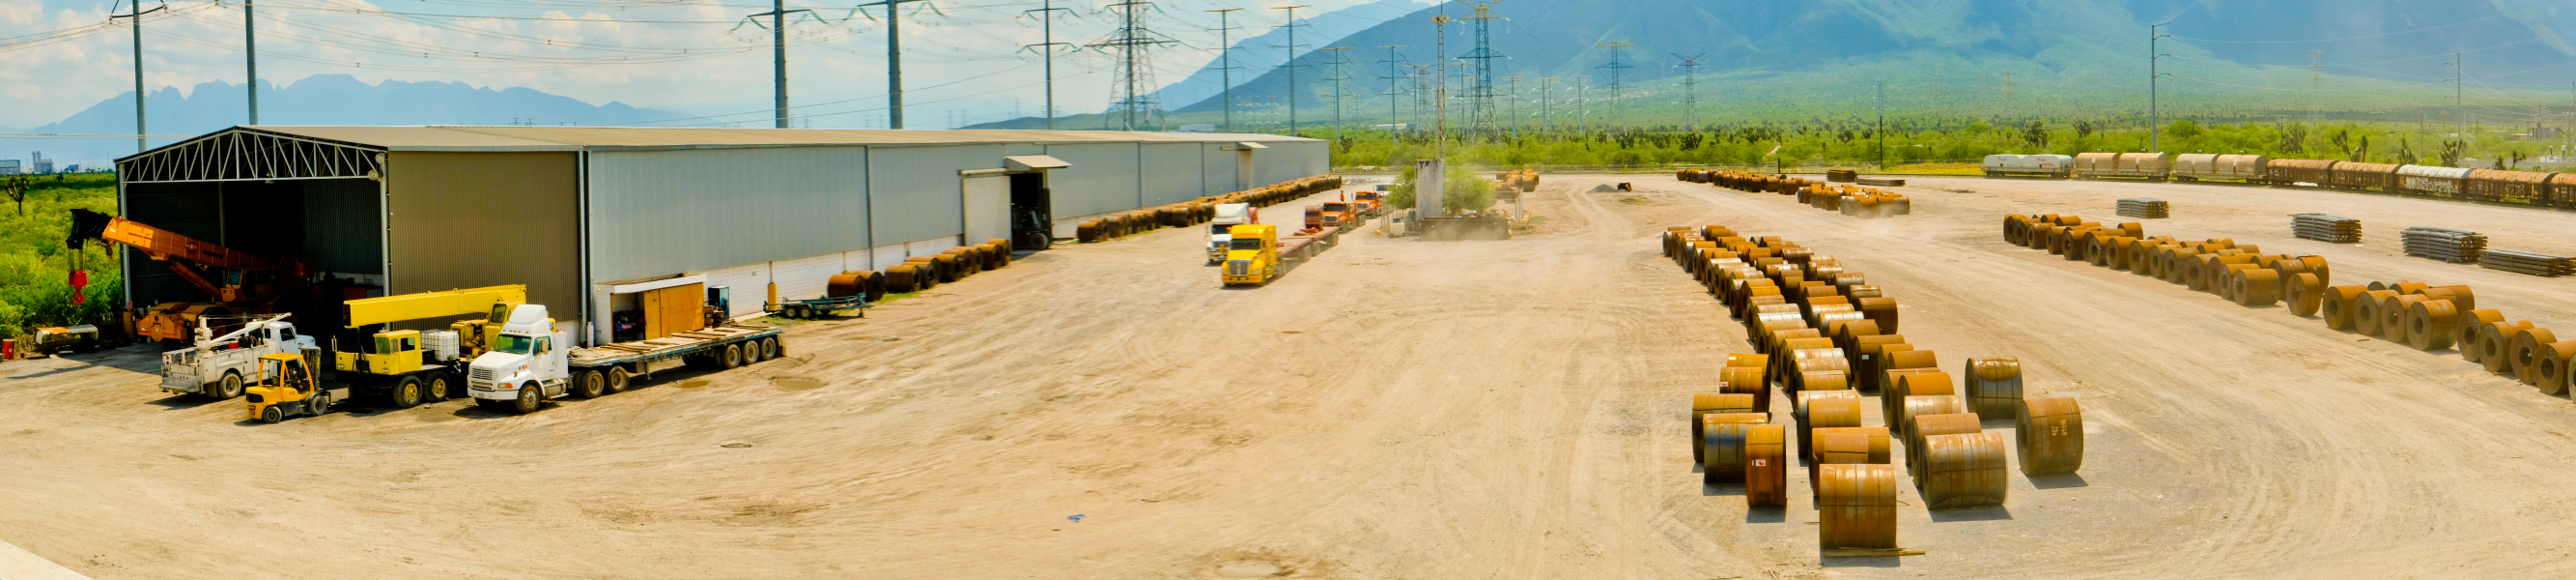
pixel 272 415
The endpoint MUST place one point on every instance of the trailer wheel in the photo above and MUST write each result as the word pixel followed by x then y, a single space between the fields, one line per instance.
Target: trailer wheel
pixel 732 357
pixel 617 378
pixel 437 390
pixel 750 353
pixel 528 400
pixel 228 387
pixel 407 393
pixel 771 349
pixel 591 385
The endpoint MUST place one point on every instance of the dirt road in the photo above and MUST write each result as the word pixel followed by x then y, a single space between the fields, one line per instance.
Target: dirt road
pixel 1393 409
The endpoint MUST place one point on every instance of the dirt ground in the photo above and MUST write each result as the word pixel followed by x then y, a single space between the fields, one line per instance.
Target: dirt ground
pixel 1394 409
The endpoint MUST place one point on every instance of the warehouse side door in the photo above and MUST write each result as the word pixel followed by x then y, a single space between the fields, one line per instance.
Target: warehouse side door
pixel 988 208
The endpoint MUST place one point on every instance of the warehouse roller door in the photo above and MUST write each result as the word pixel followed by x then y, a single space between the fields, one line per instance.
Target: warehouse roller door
pixel 988 208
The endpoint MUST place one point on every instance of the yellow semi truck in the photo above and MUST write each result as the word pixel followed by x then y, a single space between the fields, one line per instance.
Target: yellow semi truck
pixel 1256 254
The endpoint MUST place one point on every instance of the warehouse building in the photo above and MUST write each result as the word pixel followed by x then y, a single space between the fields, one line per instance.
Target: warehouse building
pixel 588 217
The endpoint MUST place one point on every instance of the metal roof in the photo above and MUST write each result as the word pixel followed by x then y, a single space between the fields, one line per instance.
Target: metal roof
pixel 523 138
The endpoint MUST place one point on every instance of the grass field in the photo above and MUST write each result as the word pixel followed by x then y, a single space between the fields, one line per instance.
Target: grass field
pixel 35 267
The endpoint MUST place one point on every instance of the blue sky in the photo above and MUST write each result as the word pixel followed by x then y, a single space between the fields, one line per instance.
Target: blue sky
pixel 694 56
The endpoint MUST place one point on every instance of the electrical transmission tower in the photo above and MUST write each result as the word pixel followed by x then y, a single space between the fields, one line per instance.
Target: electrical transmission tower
pixel 1392 89
pixel 1046 15
pixel 1480 86
pixel 1225 51
pixel 778 33
pixel 137 17
pixel 1690 90
pixel 1546 115
pixel 894 63
pixel 1583 105
pixel 1130 89
pixel 1514 96
pixel 1421 76
pixel 1618 106
pixel 1338 75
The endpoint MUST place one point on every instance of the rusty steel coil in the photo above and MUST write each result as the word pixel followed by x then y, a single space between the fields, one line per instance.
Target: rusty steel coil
pixel 1866 358
pixel 1087 231
pixel 2405 287
pixel 2340 306
pixel 997 255
pixel 899 278
pixel 2550 371
pixel 1994 386
pixel 1804 339
pixel 1761 301
pixel 1827 320
pixel 1913 359
pixel 1703 405
pixel 1748 382
pixel 1856 506
pixel 2392 316
pixel 1816 360
pixel 1889 377
pixel 1931 425
pixel 1847 334
pixel 2049 431
pixel 2465 334
pixel 2365 312
pixel 1803 404
pixel 2318 265
pixel 1920 405
pixel 1766 466
pixel 1777 343
pixel 1846 446
pixel 2461 296
pixel 1762 323
pixel 2225 272
pixel 2429 324
pixel 2258 287
pixel 1723 456
pixel 1883 310
pixel 1859 291
pixel 2304 292
pixel 1963 471
pixel 926 272
pixel 1827 380
pixel 2524 352
pixel 2494 341
pixel 2288 270
pixel 846 284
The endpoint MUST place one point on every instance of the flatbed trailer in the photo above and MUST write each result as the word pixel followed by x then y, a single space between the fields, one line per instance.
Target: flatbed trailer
pixel 614 365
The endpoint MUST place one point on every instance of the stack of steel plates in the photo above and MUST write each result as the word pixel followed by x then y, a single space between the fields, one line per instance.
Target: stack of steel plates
pixel 1842 175
pixel 2145 207
pixel 1879 181
pixel 2448 245
pixel 2326 228
pixel 2528 263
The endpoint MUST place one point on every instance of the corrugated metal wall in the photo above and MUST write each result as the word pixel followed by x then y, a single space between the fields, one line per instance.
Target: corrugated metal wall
pixel 657 213
pixel 918 194
pixel 1217 171
pixel 1171 172
pixel 1286 160
pixel 465 220
pixel 1103 179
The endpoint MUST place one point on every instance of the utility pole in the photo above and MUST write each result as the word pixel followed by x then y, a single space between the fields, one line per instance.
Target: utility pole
pixel 1046 21
pixel 1690 90
pixel 1546 98
pixel 137 20
pixel 2459 75
pixel 778 52
pixel 1132 38
pixel 1337 78
pixel 1583 110
pixel 1440 99
pixel 2155 117
pixel 1392 119
pixel 1515 98
pixel 1291 64
pixel 1882 127
pixel 1225 53
pixel 250 55
pixel 1480 91
pixel 1618 106
pixel 894 63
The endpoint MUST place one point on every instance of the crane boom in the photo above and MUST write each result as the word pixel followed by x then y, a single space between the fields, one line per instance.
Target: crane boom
pixel 431 304
pixel 158 243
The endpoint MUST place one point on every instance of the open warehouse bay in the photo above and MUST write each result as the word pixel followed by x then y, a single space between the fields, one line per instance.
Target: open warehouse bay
pixel 1393 409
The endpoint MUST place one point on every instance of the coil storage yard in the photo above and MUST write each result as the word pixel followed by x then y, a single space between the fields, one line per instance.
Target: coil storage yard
pixel 1408 409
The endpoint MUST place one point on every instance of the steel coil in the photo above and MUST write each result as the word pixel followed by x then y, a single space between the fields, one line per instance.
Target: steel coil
pixel 1994 386
pixel 1819 360
pixel 1804 404
pixel 2550 371
pixel 1722 456
pixel 2465 334
pixel 1921 405
pixel 1703 405
pixel 1846 446
pixel 1766 466
pixel 2392 316
pixel 2525 351
pixel 2340 305
pixel 2305 293
pixel 2365 312
pixel 1869 358
pixel 2494 341
pixel 1930 426
pixel 1883 310
pixel 2460 296
pixel 1856 506
pixel 2430 324
pixel 2049 431
pixel 846 284
pixel 899 278
pixel 950 270
pixel 1963 471
pixel 1747 381
pixel 1826 380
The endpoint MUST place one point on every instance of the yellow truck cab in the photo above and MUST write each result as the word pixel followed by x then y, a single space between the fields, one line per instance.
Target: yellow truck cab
pixel 1252 255
pixel 287 388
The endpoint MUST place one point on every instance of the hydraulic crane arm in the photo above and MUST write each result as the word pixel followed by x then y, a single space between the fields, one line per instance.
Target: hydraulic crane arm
pixel 158 243
pixel 431 304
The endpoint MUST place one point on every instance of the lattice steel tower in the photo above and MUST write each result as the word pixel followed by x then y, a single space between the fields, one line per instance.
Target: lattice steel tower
pixel 1132 102
pixel 1480 85
pixel 1690 90
pixel 1618 106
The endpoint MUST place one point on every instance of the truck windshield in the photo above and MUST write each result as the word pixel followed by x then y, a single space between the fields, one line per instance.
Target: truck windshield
pixel 1244 244
pixel 514 344
pixel 1220 229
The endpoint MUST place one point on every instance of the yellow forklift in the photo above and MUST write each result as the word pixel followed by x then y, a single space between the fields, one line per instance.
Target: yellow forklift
pixel 286 388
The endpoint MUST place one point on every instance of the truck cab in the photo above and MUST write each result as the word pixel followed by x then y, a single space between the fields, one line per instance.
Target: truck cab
pixel 1337 213
pixel 1252 257
pixel 1220 231
pixel 528 362
pixel 1367 202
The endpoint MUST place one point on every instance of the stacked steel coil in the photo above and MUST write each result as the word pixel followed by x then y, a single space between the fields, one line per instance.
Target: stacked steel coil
pixel 2527 263
pixel 1198 211
pixel 2448 245
pixel 2326 228
pixel 2145 208
pixel 919 273
pixel 1842 175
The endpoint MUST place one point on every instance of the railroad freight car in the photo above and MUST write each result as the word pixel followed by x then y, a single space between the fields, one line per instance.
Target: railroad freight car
pixel 2508 186
pixel 2562 190
pixel 2358 175
pixel 2296 171
pixel 2215 167
pixel 2031 165
pixel 2433 181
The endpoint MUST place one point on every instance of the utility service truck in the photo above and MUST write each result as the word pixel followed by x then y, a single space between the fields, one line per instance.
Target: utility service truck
pixel 1220 232
pixel 218 366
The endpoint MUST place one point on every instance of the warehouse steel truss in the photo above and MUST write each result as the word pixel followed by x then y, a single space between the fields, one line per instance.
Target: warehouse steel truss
pixel 248 155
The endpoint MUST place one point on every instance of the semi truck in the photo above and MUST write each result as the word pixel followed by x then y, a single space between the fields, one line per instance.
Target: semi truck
pixel 1220 231
pixel 1258 255
pixel 405 368
pixel 530 362
pixel 219 366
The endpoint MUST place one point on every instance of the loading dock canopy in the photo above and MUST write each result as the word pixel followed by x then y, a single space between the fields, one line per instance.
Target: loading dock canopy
pixel 1246 146
pixel 657 284
pixel 1033 162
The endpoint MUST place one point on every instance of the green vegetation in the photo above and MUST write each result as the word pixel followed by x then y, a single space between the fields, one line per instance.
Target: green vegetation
pixel 1465 190
pixel 35 280
pixel 1940 144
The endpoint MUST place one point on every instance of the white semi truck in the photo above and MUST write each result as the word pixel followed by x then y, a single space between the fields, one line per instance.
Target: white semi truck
pixel 219 366
pixel 530 362
pixel 1220 232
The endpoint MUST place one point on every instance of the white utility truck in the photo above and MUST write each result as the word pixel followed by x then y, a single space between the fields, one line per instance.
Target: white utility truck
pixel 219 366
pixel 1220 229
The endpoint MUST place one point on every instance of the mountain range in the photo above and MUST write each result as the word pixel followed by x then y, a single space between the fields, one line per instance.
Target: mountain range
pixel 328 99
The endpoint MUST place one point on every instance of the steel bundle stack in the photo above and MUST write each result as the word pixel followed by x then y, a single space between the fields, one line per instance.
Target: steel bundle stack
pixel 2145 207
pixel 2326 228
pixel 1842 175
pixel 2526 262
pixel 2448 245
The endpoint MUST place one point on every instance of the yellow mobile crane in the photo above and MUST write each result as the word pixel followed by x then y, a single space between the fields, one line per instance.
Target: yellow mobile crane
pixel 408 367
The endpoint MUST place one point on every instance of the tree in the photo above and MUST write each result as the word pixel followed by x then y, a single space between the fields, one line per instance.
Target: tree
pixel 2083 129
pixel 2036 134
pixel 16 188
